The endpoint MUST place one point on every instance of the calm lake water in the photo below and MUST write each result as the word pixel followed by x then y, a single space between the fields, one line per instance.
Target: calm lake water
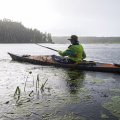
pixel 49 93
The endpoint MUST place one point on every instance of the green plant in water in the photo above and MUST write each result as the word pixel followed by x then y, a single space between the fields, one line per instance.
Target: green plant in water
pixel 25 82
pixel 17 93
pixel 30 72
pixel 37 82
pixel 43 85
pixel 31 93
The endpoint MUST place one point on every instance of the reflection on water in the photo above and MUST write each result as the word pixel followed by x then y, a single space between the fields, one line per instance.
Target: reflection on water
pixel 75 80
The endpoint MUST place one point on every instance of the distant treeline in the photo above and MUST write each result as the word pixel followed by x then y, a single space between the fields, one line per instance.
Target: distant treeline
pixel 14 32
pixel 88 40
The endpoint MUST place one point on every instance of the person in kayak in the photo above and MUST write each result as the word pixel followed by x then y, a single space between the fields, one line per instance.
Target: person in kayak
pixel 75 51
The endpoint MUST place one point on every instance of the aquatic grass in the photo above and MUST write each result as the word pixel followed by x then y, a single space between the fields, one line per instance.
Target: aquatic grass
pixel 17 93
pixel 39 86
pixel 30 73
pixel 25 83
pixel 31 93
pixel 43 85
pixel 37 82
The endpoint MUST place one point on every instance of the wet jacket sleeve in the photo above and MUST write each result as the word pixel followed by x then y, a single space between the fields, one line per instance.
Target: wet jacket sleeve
pixel 67 52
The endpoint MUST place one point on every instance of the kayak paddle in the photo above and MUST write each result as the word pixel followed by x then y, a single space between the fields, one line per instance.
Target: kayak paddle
pixel 46 47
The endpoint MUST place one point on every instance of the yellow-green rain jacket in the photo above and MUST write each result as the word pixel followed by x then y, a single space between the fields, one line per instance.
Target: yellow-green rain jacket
pixel 74 52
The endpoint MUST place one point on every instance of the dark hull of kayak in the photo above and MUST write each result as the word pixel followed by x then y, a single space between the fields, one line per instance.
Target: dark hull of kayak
pixel 98 67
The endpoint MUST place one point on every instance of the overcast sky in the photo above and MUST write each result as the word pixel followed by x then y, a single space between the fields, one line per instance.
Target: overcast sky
pixel 66 17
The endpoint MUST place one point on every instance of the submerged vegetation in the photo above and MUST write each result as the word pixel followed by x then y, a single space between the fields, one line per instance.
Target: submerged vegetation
pixel 15 32
pixel 63 95
pixel 114 106
pixel 39 98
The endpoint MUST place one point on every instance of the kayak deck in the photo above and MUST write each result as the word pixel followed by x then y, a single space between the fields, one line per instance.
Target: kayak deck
pixel 48 60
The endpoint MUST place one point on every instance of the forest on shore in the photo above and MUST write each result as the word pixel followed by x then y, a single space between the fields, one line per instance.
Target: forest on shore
pixel 15 32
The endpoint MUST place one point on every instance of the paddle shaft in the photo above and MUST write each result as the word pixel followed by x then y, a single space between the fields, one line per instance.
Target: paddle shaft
pixel 47 47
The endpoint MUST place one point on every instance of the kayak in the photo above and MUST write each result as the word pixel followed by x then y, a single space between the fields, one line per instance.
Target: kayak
pixel 50 60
